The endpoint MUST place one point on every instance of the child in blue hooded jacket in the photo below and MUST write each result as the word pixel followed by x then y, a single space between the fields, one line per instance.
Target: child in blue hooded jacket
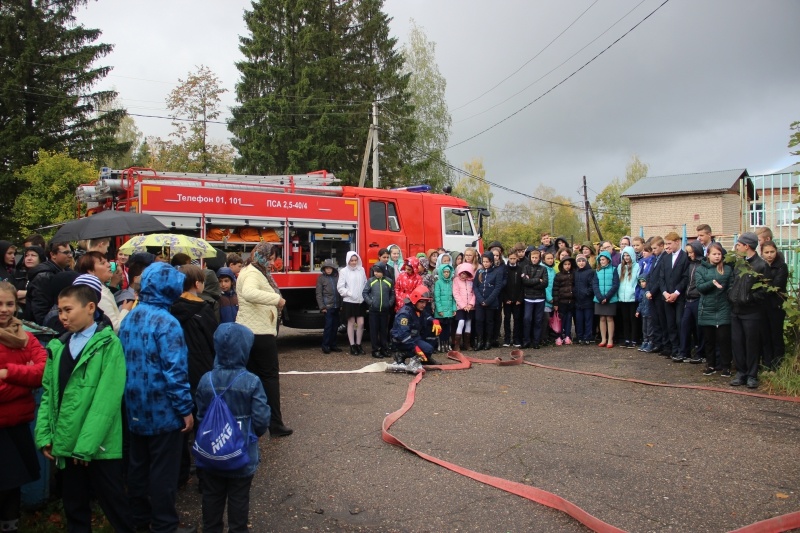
pixel 157 398
pixel 247 402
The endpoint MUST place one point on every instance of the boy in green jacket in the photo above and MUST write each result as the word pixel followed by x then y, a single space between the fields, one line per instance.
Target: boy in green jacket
pixel 79 425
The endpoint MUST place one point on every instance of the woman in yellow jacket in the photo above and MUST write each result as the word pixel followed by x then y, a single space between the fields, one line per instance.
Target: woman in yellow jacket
pixel 260 304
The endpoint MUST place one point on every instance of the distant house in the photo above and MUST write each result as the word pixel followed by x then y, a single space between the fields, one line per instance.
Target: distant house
pixel 776 204
pixel 721 199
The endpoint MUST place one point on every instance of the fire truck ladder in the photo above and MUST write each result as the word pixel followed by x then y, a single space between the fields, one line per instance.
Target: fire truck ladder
pixel 113 183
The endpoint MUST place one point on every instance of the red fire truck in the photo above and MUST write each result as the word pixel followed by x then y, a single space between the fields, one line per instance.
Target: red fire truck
pixel 309 217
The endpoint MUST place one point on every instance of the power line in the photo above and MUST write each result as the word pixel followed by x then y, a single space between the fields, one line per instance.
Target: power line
pixel 577 206
pixel 543 76
pixel 561 82
pixel 527 62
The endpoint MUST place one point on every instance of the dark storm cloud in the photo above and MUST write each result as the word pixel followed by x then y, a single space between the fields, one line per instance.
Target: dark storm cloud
pixel 698 86
pixel 701 85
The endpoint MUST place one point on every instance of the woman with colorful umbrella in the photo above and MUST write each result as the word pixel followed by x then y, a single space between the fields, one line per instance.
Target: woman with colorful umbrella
pixel 260 305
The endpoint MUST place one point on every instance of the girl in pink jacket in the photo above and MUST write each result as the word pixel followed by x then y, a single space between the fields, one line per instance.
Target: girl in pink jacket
pixel 465 304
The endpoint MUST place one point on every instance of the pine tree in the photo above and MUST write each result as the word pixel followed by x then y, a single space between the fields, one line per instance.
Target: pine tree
pixel 46 103
pixel 310 74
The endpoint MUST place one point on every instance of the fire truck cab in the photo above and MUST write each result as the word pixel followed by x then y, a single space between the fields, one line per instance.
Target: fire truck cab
pixel 308 217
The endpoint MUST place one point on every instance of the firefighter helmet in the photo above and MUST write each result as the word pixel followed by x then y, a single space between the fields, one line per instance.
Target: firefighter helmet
pixel 420 293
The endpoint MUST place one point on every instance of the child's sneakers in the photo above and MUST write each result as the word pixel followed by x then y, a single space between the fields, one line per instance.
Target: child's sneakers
pixel 558 341
pixel 567 341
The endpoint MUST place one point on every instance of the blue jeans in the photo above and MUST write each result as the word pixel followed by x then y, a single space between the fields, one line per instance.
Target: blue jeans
pixel 584 324
pixel 533 319
pixel 331 328
pixel 647 329
pixel 565 313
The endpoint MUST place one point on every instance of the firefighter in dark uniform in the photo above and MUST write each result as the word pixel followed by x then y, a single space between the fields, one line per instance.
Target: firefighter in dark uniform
pixel 415 330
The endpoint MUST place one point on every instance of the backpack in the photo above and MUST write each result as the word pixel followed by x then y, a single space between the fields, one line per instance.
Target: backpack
pixel 220 444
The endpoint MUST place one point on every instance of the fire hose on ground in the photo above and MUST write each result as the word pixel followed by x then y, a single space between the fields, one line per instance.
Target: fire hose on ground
pixel 776 524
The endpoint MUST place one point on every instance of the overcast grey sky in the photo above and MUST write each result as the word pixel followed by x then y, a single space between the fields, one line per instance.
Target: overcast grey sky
pixel 699 86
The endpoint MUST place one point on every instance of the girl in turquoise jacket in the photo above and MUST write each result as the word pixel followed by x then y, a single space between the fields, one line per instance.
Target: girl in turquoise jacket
pixel 605 286
pixel 628 273
pixel 445 303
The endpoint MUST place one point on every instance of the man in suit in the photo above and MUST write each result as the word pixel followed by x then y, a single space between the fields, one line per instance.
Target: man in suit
pixel 660 339
pixel 672 287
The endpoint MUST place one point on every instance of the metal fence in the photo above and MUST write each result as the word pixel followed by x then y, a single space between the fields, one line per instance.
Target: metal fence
pixel 777 206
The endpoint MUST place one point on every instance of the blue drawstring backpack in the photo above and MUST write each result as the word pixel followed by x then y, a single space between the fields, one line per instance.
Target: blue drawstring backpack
pixel 220 444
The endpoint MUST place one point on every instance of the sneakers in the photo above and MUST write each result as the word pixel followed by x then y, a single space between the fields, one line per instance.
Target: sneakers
pixel 725 373
pixel 506 344
pixel 626 345
pixel 644 346
pixel 678 358
pixel 558 341
pixel 567 341
pixel 709 371
pixel 695 360
pixel 633 345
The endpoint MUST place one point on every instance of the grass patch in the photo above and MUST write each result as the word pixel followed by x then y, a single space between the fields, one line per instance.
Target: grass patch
pixel 51 518
pixel 785 381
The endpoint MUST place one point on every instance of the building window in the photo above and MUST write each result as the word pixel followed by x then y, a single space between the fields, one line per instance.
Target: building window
pixel 785 213
pixel 756 214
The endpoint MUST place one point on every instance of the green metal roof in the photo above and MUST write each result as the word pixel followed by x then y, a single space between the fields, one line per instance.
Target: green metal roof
pixel 721 180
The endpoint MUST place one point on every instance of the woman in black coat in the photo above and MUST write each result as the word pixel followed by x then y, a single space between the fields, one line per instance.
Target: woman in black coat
pixel 778 275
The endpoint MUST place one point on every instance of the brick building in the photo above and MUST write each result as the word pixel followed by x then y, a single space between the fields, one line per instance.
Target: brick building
pixel 721 199
pixel 777 204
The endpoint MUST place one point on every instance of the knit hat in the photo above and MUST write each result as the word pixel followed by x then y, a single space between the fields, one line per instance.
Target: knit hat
pixel 579 257
pixel 750 239
pixel 642 278
pixel 91 281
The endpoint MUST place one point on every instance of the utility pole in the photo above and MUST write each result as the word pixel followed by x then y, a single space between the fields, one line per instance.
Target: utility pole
pixel 586 209
pixel 375 146
pixel 363 177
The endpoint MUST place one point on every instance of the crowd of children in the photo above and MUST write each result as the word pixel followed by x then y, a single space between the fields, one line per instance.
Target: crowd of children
pixel 651 295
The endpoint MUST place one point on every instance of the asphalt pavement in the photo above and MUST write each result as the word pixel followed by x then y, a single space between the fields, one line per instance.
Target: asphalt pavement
pixel 641 458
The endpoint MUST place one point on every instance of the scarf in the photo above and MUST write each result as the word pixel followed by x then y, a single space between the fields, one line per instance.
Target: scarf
pixel 259 258
pixel 13 336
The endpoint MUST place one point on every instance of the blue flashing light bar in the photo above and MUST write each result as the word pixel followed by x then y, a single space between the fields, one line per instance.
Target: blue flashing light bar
pixel 414 188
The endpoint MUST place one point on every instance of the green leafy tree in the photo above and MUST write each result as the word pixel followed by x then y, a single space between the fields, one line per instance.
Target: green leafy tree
pixel 612 211
pixel 511 224
pixel 128 134
pixel 476 192
pixel 49 189
pixel 193 103
pixel 525 222
pixel 794 138
pixel 431 115
pixel 48 66
pixel 310 74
